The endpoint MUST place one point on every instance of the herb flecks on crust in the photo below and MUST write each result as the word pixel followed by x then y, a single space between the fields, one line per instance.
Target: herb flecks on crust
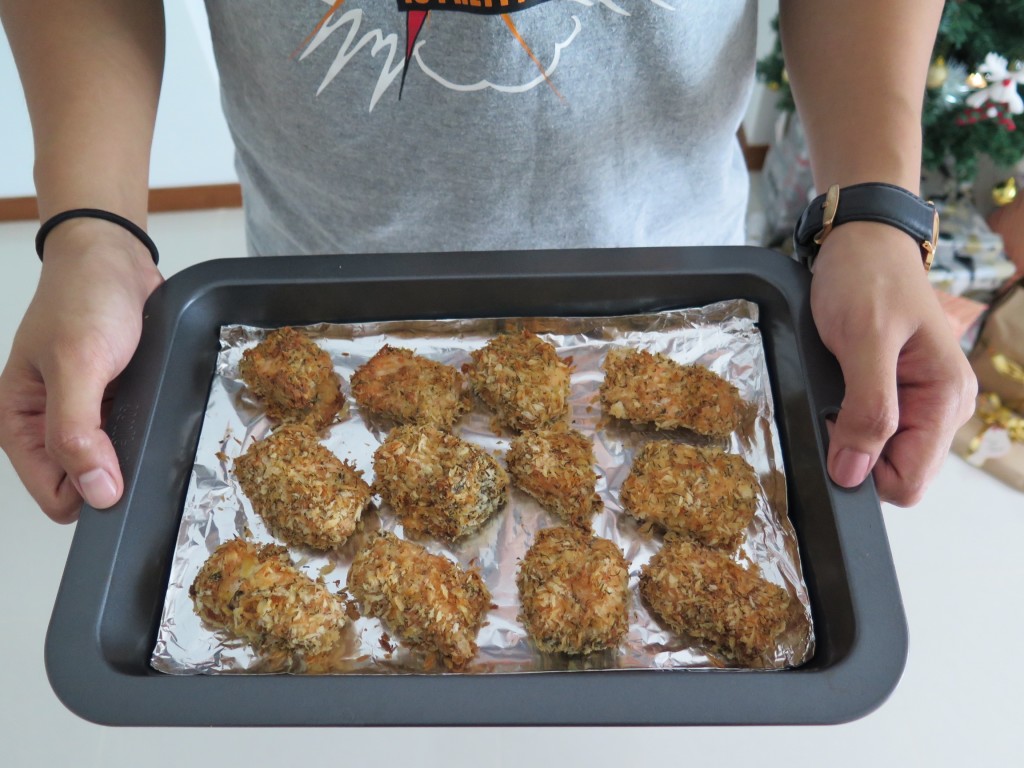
pixel 254 593
pixel 410 389
pixel 429 602
pixel 521 378
pixel 294 379
pixel 705 493
pixel 556 467
pixel 645 388
pixel 700 592
pixel 574 592
pixel 305 494
pixel 438 484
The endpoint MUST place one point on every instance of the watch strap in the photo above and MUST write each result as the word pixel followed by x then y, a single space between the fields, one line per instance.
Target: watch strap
pixel 873 201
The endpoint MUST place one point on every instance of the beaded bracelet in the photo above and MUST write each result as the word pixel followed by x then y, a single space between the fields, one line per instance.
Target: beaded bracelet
pixel 95 213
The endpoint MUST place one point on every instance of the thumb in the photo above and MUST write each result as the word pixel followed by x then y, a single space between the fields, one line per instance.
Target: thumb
pixel 870 411
pixel 74 438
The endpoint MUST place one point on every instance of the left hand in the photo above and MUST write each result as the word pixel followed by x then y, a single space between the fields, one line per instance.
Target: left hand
pixel 908 385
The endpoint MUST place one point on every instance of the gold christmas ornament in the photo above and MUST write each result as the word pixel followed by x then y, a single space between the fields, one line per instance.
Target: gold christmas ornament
pixel 937 73
pixel 1005 193
pixel 977 80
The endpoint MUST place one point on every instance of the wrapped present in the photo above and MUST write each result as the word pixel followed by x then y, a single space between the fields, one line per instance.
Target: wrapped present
pixel 969 256
pixel 998 357
pixel 994 440
pixel 787 180
pixel 964 316
pixel 1008 221
pixel 994 437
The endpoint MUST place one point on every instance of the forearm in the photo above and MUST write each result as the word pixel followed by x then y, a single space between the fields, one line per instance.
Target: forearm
pixel 91 73
pixel 857 71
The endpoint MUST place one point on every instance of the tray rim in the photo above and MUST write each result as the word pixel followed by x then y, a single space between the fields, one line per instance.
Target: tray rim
pixel 79 665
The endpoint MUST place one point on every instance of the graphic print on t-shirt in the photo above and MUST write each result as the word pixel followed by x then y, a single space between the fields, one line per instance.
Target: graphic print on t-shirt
pixel 399 45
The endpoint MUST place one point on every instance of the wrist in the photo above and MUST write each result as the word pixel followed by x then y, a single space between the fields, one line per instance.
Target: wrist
pixel 870 247
pixel 87 252
pixel 95 213
pixel 91 239
pixel 881 203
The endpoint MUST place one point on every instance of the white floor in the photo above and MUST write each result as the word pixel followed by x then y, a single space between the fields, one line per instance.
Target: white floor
pixel 959 702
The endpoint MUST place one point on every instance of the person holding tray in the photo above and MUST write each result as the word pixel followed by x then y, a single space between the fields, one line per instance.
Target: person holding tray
pixel 370 126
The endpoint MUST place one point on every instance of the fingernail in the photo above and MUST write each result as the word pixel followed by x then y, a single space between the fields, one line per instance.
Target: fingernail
pixel 98 488
pixel 850 467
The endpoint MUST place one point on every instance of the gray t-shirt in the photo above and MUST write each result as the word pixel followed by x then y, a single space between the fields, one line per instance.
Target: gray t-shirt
pixel 517 124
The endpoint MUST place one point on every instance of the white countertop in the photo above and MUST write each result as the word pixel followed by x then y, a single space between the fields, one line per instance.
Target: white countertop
pixel 959 702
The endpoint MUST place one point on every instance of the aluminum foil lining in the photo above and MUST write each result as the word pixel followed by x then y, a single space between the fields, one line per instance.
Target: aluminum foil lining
pixel 722 336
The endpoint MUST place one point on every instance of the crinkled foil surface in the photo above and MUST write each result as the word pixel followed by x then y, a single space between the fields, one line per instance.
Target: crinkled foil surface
pixel 723 336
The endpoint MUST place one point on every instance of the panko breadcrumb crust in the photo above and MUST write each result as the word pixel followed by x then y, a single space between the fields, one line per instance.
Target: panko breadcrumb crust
pixel 574 592
pixel 700 592
pixel 646 388
pixel 705 493
pixel 305 494
pixel 521 378
pixel 410 389
pixel 556 467
pixel 438 484
pixel 255 593
pixel 430 603
pixel 293 378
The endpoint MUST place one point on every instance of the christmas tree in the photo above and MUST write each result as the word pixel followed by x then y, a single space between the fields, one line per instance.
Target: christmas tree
pixel 971 104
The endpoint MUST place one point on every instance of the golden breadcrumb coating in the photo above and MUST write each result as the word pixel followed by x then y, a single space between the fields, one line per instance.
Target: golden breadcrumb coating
pixel 429 602
pixel 697 591
pixel 702 492
pixel 574 592
pixel 437 484
pixel 646 388
pixel 294 378
pixel 254 593
pixel 305 494
pixel 401 385
pixel 556 467
pixel 521 378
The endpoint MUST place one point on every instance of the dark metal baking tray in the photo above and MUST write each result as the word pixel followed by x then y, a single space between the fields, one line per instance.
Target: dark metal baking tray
pixel 105 618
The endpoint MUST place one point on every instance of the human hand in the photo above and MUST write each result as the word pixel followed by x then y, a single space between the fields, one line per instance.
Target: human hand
pixel 78 334
pixel 908 385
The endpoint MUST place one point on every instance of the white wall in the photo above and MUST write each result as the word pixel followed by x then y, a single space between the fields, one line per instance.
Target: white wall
pixel 191 144
pixel 759 124
pixel 15 131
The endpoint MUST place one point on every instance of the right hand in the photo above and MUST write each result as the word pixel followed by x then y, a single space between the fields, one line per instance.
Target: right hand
pixel 78 334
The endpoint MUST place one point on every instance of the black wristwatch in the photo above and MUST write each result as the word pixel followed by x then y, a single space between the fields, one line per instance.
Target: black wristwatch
pixel 884 203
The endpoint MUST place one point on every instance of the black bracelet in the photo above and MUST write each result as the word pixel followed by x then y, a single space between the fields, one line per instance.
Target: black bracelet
pixel 95 213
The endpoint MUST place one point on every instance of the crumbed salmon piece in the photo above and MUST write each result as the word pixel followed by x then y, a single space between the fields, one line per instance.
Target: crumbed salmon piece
pixel 705 493
pixel 410 389
pixel 438 484
pixel 521 378
pixel 254 593
pixel 430 603
pixel 556 467
pixel 305 494
pixel 574 592
pixel 646 388
pixel 700 592
pixel 294 379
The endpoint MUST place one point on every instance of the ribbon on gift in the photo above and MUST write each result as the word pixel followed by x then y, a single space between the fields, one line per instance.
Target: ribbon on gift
pixel 994 414
pixel 1008 367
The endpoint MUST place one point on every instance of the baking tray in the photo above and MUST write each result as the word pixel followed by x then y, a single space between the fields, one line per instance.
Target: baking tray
pixel 108 606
